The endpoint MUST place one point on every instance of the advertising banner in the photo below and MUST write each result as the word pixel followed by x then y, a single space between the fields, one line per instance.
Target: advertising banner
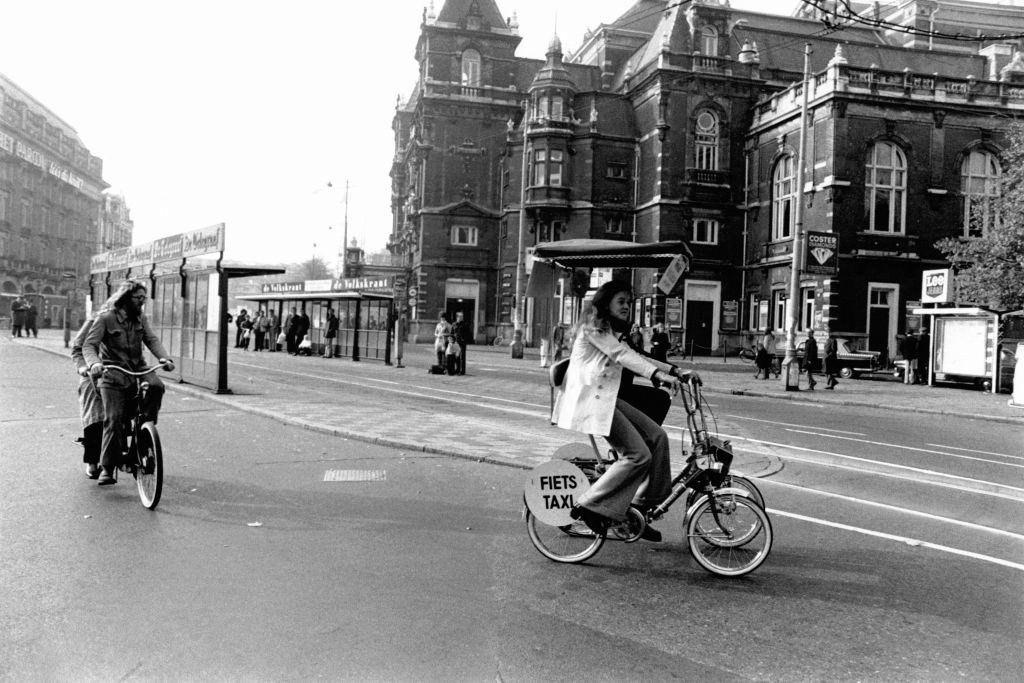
pixel 822 255
pixel 937 286
pixel 730 316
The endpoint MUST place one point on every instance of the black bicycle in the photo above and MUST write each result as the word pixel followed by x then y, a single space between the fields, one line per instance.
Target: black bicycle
pixel 142 456
pixel 726 527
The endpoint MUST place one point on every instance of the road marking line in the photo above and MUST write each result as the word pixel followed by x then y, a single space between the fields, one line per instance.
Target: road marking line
pixel 901 539
pixel 974 450
pixel 895 508
pixel 790 424
pixel 908 448
pixel 355 475
pixel 790 456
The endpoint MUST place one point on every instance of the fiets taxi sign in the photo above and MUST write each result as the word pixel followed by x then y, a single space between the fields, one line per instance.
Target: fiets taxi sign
pixel 552 489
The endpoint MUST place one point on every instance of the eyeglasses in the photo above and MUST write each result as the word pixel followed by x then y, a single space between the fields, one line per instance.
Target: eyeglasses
pixel 139 297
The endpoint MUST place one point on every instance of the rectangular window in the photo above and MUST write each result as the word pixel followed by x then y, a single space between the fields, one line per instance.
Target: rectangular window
pixel 555 172
pixel 779 317
pixel 807 308
pixel 705 231
pixel 617 171
pixel 752 321
pixel 464 235
pixel 762 314
pixel 613 225
pixel 503 230
pixel 540 172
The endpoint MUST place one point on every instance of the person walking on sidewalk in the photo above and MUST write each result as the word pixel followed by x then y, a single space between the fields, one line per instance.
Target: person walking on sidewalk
pixel 768 341
pixel 331 333
pixel 659 343
pixel 811 358
pixel 460 333
pixel 831 361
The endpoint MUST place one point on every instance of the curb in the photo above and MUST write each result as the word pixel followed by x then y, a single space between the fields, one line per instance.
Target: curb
pixel 865 404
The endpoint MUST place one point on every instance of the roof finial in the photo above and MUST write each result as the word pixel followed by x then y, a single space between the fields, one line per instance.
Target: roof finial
pixel 431 14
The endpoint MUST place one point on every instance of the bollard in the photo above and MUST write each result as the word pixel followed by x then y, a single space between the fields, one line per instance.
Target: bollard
pixel 544 352
pixel 517 344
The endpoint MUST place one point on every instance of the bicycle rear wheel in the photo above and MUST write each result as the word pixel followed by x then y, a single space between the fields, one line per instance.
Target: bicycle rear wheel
pixel 572 543
pixel 729 535
pixel 149 471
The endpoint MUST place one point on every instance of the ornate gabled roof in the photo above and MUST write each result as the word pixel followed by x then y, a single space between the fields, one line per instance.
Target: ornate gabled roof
pixel 456 11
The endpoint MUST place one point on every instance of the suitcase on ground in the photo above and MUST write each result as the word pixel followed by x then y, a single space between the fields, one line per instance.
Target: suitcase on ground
pixel 435 370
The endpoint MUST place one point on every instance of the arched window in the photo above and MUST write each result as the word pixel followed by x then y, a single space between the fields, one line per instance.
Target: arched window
pixel 885 205
pixel 471 68
pixel 979 183
pixel 706 141
pixel 709 41
pixel 783 196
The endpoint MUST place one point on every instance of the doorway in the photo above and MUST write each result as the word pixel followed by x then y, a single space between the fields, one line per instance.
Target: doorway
pixel 882 300
pixel 698 326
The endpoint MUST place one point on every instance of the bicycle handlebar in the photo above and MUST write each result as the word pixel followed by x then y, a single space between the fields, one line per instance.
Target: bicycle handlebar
pixel 130 373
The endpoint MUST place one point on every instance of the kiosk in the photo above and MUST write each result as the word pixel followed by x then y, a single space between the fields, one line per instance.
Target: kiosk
pixel 188 297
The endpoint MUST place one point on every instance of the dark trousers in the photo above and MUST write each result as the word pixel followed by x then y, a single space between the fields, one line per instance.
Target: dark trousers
pixel 261 341
pixel 291 343
pixel 116 404
pixel 462 358
pixel 16 330
pixel 92 440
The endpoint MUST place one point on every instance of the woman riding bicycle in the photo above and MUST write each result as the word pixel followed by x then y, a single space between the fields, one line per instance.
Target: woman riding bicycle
pixel 590 403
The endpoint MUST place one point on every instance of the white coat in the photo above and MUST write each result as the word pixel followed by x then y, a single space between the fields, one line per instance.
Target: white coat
pixel 586 402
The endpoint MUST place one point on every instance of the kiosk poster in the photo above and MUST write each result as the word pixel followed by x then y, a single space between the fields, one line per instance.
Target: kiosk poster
pixel 822 257
pixel 730 315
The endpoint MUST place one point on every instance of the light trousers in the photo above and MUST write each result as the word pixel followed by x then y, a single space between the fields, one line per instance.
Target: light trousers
pixel 641 475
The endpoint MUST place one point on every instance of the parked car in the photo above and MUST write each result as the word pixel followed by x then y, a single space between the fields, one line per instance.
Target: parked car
pixel 851 362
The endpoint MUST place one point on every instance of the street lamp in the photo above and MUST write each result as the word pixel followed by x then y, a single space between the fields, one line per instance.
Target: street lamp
pixel 344 239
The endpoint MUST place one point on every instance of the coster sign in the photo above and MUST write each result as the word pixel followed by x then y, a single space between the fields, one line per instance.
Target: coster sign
pixel 182 246
pixel 822 256
pixel 937 286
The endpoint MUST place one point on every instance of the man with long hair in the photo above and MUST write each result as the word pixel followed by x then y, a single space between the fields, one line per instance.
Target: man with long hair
pixel 116 338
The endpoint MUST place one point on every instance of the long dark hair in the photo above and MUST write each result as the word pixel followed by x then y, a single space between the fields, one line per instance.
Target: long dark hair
pixel 600 314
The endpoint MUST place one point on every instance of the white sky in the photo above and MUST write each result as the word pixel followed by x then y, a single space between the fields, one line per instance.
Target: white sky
pixel 240 111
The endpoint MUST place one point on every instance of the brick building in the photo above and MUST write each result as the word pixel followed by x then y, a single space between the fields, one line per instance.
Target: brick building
pixel 53 213
pixel 682 121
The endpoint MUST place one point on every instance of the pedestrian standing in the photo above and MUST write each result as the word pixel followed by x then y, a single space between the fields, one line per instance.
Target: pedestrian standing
pixel 460 333
pixel 831 361
pixel 762 360
pixel 262 329
pixel 636 339
pixel 811 358
pixel 31 314
pixel 332 333
pixel 273 329
pixel 558 341
pixel 247 330
pixel 768 341
pixel 290 324
pixel 301 330
pixel 239 327
pixel 908 349
pixel 659 343
pixel 19 310
pixel 441 331
pixel 924 354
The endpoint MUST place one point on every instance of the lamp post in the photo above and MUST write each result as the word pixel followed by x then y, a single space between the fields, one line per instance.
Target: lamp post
pixel 790 367
pixel 344 239
pixel 73 277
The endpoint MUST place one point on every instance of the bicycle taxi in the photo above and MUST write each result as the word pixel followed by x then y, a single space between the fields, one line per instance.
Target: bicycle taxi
pixel 725 526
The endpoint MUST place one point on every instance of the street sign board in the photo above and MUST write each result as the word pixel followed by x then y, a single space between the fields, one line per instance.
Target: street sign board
pixel 679 265
pixel 937 286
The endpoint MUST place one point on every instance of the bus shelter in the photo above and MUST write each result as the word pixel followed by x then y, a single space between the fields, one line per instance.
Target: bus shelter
pixel 364 306
pixel 188 298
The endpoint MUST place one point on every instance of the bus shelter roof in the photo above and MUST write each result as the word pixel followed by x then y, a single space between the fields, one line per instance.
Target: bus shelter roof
pixel 591 253
pixel 314 296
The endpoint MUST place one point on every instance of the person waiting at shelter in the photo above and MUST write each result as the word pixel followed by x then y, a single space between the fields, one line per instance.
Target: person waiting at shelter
pixel 588 402
pixel 460 333
pixel 116 338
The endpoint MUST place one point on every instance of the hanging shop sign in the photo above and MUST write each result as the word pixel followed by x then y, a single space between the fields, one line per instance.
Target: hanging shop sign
pixel 937 286
pixel 822 256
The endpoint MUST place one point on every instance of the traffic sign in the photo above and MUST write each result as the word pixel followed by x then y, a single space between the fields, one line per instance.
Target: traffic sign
pixel 412 301
pixel 413 291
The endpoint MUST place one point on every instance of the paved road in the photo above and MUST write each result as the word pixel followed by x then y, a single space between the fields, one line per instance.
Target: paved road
pixel 427 575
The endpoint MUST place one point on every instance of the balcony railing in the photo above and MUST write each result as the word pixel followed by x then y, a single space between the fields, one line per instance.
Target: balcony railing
pixel 433 88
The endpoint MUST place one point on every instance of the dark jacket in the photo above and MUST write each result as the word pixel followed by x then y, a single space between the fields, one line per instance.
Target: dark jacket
pixel 811 354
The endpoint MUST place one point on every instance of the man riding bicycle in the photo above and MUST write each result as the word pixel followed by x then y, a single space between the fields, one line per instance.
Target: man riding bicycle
pixel 116 338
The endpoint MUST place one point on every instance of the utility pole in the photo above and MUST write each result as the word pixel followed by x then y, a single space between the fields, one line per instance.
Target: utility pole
pixel 790 366
pixel 520 305
pixel 344 238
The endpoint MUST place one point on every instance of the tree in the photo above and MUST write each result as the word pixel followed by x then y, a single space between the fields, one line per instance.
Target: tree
pixel 314 269
pixel 989 270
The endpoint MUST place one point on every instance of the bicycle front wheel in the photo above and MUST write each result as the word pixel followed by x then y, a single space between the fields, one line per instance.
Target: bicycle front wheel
pixel 732 481
pixel 729 535
pixel 572 543
pixel 149 470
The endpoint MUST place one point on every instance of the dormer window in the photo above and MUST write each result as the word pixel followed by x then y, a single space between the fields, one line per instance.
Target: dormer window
pixel 709 41
pixel 471 68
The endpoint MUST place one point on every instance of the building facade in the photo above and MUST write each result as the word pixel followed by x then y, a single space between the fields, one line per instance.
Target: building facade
pixel 53 213
pixel 682 121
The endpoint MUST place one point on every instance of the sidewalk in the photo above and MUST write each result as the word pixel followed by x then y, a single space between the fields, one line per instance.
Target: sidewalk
pixel 518 436
pixel 733 376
